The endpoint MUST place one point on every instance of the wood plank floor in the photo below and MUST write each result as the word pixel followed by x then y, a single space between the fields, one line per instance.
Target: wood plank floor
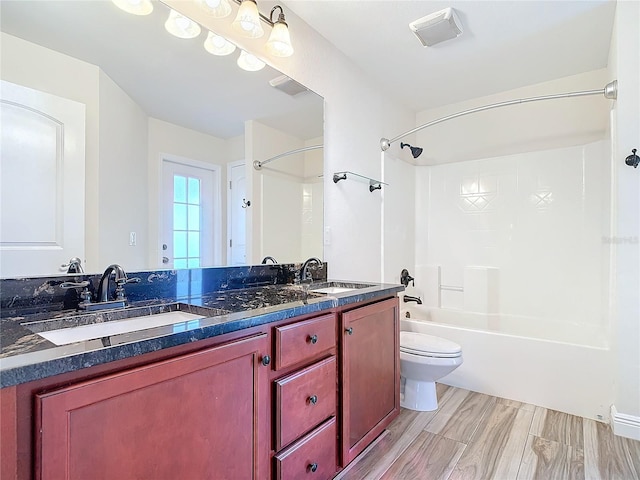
pixel 479 437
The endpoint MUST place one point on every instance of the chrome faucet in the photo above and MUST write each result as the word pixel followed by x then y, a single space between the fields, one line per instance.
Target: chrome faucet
pixel 120 280
pixel 305 275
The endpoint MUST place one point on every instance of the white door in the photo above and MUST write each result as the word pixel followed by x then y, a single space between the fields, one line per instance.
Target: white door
pixel 41 181
pixel 236 214
pixel 190 215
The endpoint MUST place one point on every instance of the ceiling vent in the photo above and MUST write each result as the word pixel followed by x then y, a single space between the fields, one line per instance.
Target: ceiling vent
pixel 437 27
pixel 287 85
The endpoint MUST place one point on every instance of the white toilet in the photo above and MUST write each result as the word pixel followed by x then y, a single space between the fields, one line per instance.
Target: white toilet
pixel 423 360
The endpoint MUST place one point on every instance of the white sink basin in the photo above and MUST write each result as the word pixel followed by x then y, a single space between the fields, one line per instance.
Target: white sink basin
pixel 330 290
pixel 65 336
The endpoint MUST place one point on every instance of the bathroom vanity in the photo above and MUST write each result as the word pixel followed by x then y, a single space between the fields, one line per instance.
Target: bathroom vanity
pixel 280 391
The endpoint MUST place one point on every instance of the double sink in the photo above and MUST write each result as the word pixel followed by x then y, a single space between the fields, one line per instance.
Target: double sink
pixel 107 323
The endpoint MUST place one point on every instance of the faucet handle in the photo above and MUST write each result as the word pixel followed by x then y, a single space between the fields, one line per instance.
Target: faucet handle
pixel 74 284
pixel 405 278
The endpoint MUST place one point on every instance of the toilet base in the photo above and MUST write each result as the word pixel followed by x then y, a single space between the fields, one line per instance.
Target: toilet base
pixel 419 396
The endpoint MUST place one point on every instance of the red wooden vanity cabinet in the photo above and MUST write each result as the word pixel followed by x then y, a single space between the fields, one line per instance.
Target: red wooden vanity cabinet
pixel 289 400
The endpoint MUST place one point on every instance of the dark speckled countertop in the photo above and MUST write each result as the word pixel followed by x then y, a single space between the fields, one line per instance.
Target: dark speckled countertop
pixel 26 356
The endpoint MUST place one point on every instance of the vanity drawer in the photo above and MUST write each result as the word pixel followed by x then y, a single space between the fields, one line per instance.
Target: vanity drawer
pixel 304 399
pixel 313 456
pixel 304 340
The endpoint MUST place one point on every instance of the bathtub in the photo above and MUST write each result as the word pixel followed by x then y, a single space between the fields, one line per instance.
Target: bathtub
pixel 528 360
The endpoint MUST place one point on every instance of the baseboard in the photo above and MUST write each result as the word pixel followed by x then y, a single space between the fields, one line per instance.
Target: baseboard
pixel 625 425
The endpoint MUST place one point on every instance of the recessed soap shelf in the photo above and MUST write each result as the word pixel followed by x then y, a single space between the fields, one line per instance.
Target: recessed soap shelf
pixel 373 184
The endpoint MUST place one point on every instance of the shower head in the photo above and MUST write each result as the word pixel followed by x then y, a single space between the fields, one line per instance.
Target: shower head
pixel 415 151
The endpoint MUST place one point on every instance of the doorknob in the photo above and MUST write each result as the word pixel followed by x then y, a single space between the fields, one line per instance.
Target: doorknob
pixel 165 260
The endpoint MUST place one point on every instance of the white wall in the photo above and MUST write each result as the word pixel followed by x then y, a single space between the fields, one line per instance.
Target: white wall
pixel 122 187
pixel 519 128
pixel 399 216
pixel 625 67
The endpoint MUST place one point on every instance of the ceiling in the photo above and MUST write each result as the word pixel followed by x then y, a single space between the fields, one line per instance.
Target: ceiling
pixel 172 79
pixel 505 44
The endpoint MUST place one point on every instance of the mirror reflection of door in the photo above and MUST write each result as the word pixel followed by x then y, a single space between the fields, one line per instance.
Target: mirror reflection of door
pixel 42 181
pixel 191 233
pixel 236 215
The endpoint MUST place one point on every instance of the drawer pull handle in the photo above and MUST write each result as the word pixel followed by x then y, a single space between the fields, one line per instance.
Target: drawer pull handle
pixel 313 467
pixel 313 399
pixel 266 360
pixel 313 339
pixel 349 330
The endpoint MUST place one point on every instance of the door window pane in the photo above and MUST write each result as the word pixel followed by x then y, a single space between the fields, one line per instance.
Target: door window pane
pixel 179 216
pixel 179 189
pixel 194 244
pixel 179 263
pixel 194 217
pixel 194 191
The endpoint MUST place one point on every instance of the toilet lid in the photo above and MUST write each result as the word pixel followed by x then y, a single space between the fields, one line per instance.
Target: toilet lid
pixel 428 345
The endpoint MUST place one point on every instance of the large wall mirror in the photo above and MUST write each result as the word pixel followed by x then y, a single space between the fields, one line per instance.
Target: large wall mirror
pixel 124 144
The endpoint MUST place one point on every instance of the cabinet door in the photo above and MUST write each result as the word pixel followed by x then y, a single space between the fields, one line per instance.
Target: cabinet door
pixel 370 374
pixel 201 415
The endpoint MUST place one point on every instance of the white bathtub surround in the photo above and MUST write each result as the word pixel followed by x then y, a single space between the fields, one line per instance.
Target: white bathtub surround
pixel 428 284
pixel 539 218
pixel 481 289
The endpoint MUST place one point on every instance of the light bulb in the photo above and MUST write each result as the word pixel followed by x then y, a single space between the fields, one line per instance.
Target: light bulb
pixel 217 45
pixel 279 43
pixel 216 8
pixel 181 26
pixel 137 7
pixel 247 22
pixel 249 62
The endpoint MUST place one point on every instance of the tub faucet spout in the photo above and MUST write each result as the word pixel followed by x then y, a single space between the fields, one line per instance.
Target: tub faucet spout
pixel 409 298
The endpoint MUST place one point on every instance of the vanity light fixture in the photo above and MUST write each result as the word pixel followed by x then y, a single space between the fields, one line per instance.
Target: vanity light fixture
pixel 136 7
pixel 216 8
pixel 181 26
pixel 249 62
pixel 218 45
pixel 279 43
pixel 247 22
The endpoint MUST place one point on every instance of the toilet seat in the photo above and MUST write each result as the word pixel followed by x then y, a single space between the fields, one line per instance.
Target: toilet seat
pixel 425 345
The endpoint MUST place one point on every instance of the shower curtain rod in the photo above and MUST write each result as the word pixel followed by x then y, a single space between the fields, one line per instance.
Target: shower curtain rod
pixel 258 165
pixel 610 91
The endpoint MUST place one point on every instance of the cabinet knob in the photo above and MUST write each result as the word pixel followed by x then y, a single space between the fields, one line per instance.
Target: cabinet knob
pixel 313 339
pixel 313 467
pixel 266 360
pixel 313 399
pixel 349 330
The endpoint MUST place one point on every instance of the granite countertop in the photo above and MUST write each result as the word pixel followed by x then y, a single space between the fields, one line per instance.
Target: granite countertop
pixel 26 356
